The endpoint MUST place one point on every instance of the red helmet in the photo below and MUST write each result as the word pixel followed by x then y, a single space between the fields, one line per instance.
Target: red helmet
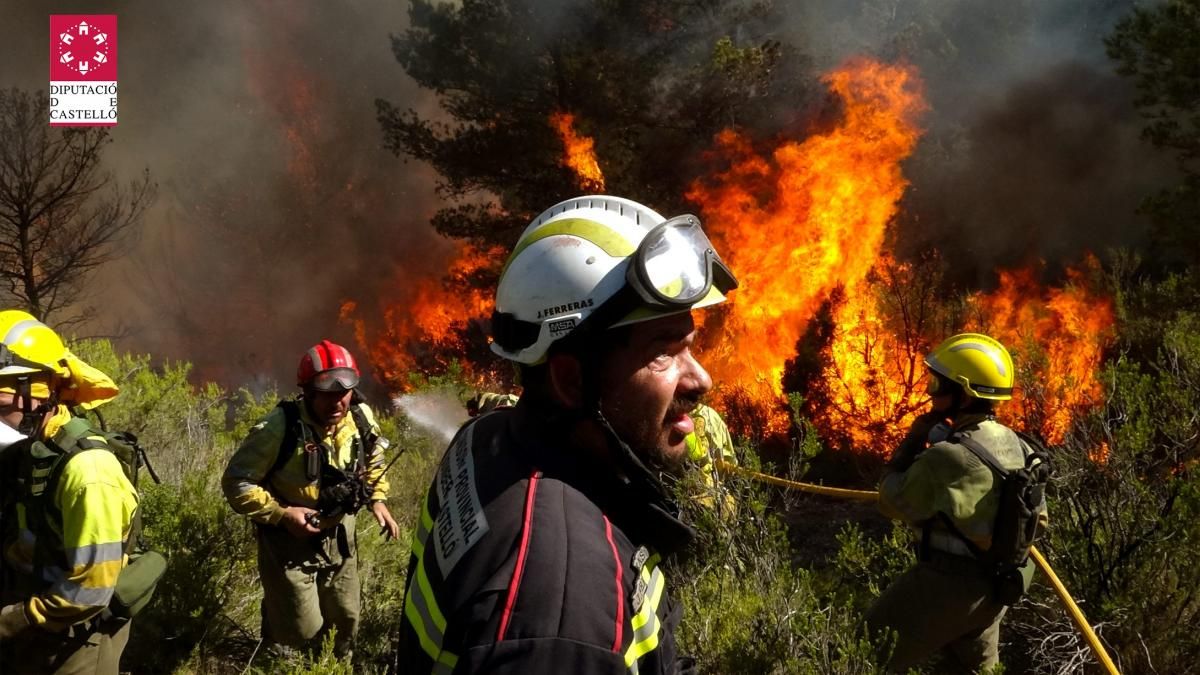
pixel 327 366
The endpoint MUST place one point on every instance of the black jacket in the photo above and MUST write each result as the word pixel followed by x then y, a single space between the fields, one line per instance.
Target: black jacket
pixel 534 559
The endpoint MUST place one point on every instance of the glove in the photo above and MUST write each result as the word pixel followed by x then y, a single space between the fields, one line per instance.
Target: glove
pixel 13 621
pixel 914 442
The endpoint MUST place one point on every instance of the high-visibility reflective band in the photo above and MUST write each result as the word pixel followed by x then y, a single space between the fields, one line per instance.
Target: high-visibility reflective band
pixel 645 623
pixel 92 554
pixel 445 664
pixel 603 236
pixel 429 635
pixel 81 596
pixel 420 606
pixel 14 334
pixel 424 527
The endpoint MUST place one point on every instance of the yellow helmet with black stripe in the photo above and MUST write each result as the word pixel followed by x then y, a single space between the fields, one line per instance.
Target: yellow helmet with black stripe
pixel 980 364
pixel 30 351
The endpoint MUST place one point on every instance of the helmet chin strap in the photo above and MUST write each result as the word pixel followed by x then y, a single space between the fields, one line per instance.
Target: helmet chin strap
pixel 31 418
pixel 637 474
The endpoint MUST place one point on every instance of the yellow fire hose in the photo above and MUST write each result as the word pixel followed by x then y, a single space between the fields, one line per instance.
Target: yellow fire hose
pixel 870 496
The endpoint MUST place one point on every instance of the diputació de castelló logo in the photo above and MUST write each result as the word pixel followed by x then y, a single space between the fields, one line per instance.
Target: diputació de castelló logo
pixel 83 70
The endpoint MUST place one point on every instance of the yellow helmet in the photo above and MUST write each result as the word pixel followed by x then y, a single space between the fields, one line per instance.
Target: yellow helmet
pixel 29 346
pixel 977 362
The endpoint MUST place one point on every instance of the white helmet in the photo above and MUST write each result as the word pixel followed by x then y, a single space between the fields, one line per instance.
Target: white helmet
pixel 599 262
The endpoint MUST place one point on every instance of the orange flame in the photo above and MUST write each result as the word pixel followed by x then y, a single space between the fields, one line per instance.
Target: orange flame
pixel 580 153
pixel 1061 333
pixel 804 226
pixel 807 220
pixel 873 381
pixel 428 328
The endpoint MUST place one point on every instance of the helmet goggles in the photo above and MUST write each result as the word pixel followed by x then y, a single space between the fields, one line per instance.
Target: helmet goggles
pixel 335 379
pixel 676 265
pixel 594 263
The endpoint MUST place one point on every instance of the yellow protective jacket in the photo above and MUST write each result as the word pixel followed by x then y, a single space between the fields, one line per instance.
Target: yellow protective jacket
pixel 93 507
pixel 948 478
pixel 489 401
pixel 711 439
pixel 254 490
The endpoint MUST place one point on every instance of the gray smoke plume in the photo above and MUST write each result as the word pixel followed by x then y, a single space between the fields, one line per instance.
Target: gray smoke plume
pixel 277 202
pixel 1031 148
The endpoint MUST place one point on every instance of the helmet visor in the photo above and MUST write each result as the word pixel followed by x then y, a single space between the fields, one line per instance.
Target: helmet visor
pixel 335 379
pixel 676 265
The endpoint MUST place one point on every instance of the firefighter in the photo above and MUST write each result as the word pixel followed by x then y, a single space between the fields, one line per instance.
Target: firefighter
pixel 487 401
pixel 708 443
pixel 540 539
pixel 68 509
pixel 709 440
pixel 950 599
pixel 279 477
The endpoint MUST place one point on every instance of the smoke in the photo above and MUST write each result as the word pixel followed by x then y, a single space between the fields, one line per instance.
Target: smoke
pixel 437 413
pixel 1031 149
pixel 277 202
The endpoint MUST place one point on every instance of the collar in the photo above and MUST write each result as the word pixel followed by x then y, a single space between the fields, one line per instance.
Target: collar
pixel 543 439
pixel 971 420
pixel 55 421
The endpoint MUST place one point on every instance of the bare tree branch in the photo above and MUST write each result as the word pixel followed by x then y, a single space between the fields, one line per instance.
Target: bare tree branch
pixel 61 216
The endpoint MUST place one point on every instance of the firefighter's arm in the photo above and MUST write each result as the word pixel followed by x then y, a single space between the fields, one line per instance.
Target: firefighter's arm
pixel 911 495
pixel 914 442
pixel 243 481
pixel 97 504
pixel 376 461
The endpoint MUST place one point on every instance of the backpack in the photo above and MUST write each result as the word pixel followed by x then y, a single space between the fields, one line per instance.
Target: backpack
pixel 1018 516
pixel 340 491
pixel 293 431
pixel 137 581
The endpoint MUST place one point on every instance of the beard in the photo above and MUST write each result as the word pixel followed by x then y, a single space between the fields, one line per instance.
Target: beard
pixel 649 441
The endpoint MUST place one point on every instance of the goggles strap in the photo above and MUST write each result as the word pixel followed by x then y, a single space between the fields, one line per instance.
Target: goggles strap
pixel 640 477
pixel 31 418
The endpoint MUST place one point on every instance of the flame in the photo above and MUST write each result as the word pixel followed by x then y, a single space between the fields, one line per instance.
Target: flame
pixel 804 228
pixel 580 154
pixel 429 327
pixel 1062 333
pixel 806 220
pixel 803 225
pixel 872 386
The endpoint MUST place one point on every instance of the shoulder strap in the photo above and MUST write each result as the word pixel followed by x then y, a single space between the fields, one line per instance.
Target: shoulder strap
pixel 67 443
pixel 291 418
pixel 73 433
pixel 366 437
pixel 981 452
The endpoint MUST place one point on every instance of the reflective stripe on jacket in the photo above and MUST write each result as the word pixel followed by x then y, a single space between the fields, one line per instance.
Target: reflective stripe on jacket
pixel 250 491
pixel 93 508
pixel 516 569
pixel 710 440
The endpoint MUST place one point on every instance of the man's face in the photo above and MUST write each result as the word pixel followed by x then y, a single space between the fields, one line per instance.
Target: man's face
pixel 11 406
pixel 328 407
pixel 649 386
